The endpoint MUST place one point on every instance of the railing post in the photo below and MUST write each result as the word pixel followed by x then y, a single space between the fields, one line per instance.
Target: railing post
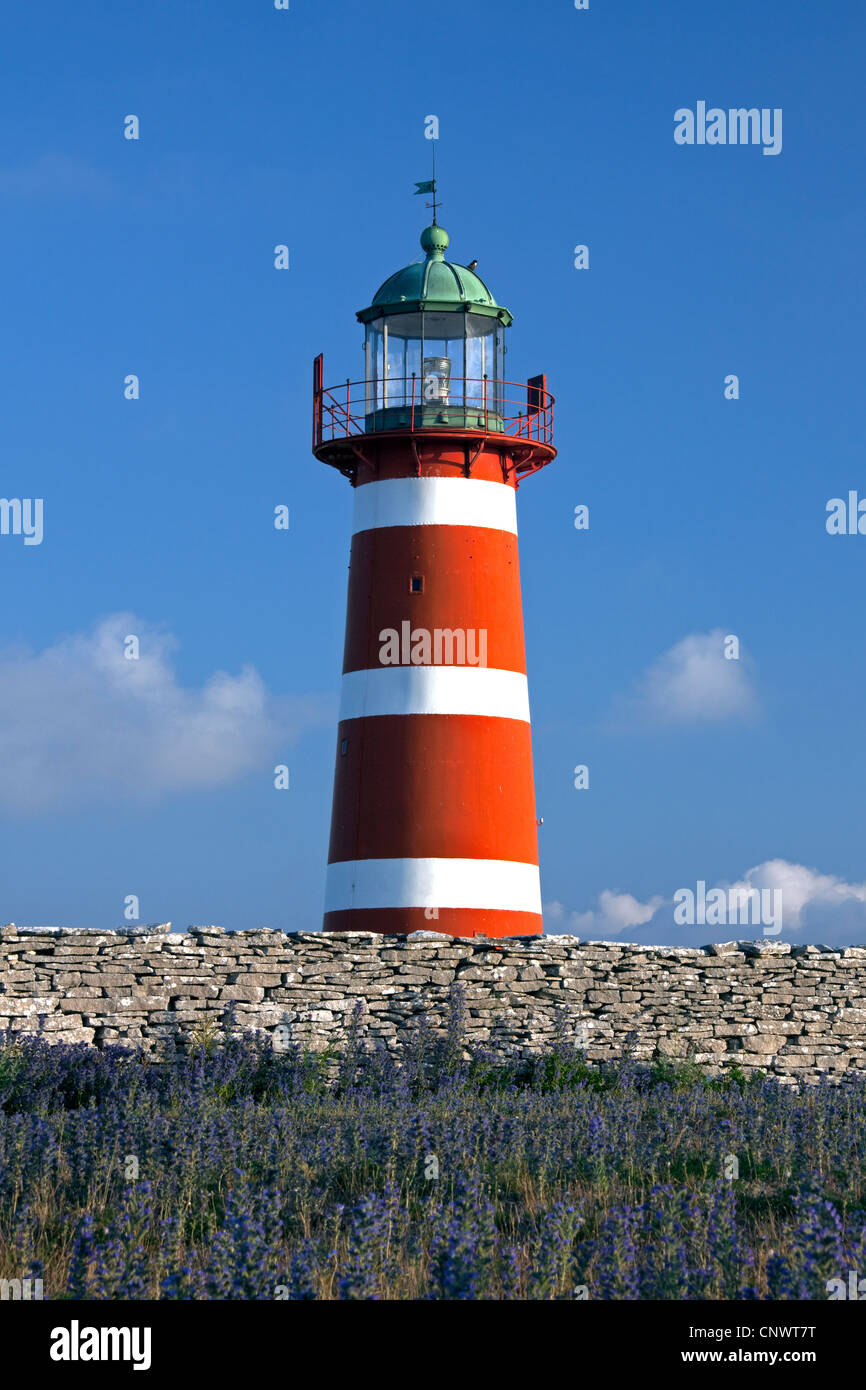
pixel 412 417
pixel 348 393
pixel 318 387
pixel 485 400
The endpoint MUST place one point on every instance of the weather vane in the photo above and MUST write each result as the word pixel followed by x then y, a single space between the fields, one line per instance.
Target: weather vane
pixel 429 186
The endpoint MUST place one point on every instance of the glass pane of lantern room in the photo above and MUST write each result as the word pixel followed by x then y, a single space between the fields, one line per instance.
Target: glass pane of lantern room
pixel 404 356
pixel 499 372
pixel 442 365
pixel 482 358
pixel 374 364
pixel 374 359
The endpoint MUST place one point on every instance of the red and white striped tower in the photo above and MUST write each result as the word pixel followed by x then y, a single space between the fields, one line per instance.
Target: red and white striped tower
pixel 434 823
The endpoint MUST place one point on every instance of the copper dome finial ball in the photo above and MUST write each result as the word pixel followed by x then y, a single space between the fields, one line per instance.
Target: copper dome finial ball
pixel 434 240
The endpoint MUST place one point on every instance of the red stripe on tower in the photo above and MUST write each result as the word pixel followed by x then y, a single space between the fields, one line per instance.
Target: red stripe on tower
pixel 433 824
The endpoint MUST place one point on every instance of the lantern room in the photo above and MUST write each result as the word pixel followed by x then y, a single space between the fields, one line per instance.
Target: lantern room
pixel 434 346
pixel 434 368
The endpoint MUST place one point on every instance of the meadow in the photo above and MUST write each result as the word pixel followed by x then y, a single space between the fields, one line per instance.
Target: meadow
pixel 234 1172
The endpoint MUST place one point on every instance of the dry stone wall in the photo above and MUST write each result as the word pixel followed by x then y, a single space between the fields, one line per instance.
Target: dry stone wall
pixel 795 1012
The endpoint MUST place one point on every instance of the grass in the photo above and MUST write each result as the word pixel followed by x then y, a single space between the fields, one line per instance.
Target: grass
pixel 235 1172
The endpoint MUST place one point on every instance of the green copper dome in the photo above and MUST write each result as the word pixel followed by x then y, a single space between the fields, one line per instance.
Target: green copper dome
pixel 434 283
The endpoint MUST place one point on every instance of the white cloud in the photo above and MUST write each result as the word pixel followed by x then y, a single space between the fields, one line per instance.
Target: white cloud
pixel 54 175
pixel 817 908
pixel 693 682
pixel 617 912
pixel 802 889
pixel 79 722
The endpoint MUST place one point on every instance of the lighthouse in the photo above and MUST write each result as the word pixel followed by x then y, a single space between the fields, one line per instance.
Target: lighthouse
pixel 434 824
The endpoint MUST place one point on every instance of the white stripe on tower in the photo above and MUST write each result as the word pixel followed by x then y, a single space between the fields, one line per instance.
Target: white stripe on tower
pixel 435 502
pixel 434 690
pixel 496 884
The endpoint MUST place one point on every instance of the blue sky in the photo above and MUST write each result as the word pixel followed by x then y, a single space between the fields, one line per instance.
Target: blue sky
pixel 707 516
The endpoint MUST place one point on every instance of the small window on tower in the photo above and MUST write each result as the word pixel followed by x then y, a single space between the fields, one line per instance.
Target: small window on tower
pixel 344 747
pixel 416 584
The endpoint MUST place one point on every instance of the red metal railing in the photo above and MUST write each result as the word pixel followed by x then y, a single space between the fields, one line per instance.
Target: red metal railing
pixel 522 410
